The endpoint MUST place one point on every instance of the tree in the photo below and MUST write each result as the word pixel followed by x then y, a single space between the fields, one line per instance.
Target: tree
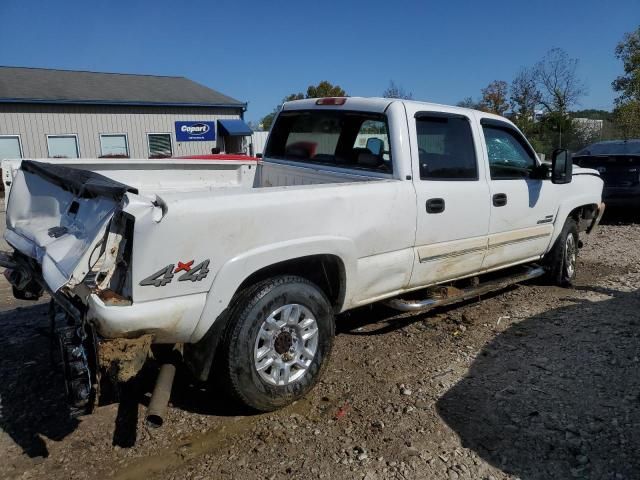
pixel 560 89
pixel 323 89
pixel 396 91
pixel 627 116
pixel 627 109
pixel 293 96
pixel 267 120
pixel 592 113
pixel 628 51
pixel 558 82
pixel 468 102
pixel 524 99
pixel 494 98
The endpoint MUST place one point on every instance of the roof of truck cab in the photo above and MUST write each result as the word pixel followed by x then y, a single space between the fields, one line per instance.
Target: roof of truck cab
pixel 379 105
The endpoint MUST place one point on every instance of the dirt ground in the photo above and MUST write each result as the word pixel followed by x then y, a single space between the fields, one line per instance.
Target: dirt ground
pixel 533 382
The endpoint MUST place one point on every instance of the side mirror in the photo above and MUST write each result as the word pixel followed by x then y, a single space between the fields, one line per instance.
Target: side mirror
pixel 561 167
pixel 258 155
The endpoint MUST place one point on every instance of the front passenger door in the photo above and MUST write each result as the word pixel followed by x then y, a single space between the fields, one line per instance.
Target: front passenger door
pixel 522 208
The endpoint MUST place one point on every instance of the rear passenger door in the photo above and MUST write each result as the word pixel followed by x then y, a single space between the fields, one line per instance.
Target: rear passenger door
pixel 452 195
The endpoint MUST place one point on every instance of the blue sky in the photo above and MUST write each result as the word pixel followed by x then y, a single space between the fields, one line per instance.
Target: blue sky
pixel 259 52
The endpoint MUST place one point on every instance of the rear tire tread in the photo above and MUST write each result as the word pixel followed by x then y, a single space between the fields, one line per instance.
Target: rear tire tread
pixel 230 369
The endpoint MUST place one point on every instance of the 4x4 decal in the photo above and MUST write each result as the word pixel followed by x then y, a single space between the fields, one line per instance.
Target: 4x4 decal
pixel 165 276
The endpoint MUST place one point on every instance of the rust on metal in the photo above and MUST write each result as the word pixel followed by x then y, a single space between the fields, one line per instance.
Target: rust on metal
pixel 109 297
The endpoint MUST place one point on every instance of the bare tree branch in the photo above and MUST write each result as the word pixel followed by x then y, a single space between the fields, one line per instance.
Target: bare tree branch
pixel 557 79
pixel 396 91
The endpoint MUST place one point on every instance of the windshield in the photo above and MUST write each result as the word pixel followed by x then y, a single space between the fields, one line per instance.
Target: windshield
pixel 331 137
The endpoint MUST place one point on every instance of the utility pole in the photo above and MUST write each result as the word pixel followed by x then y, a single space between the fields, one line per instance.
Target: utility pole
pixel 560 139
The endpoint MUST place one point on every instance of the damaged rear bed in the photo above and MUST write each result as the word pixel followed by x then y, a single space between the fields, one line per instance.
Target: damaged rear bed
pixel 58 216
pixel 68 231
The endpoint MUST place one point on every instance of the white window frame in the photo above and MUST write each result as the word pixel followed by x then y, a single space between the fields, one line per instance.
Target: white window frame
pixel 158 133
pixel 19 142
pixel 63 135
pixel 115 134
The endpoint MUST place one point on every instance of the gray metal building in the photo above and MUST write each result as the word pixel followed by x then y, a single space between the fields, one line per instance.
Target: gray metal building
pixel 63 113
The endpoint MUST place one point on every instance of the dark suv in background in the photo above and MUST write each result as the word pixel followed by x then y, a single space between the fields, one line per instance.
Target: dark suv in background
pixel 618 162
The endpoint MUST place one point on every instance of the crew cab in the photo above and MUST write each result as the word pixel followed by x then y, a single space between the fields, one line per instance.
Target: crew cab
pixel 245 265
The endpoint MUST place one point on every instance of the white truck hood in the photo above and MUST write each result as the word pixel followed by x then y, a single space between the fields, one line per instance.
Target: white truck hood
pixel 59 215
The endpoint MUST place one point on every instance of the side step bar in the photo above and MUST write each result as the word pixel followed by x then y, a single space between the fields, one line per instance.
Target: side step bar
pixel 448 295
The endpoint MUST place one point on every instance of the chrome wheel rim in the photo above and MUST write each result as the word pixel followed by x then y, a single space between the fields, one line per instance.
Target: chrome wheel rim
pixel 570 255
pixel 286 345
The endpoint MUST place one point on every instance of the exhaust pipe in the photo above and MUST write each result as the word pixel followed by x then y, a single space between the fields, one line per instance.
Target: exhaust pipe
pixel 160 397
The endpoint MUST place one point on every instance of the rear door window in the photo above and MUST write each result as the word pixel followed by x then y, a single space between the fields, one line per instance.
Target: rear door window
pixel 332 137
pixel 445 148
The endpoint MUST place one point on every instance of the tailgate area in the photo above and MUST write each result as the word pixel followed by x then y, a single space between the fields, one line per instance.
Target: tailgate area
pixel 58 216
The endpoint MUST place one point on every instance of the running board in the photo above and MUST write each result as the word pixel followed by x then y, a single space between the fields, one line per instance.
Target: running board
pixel 448 295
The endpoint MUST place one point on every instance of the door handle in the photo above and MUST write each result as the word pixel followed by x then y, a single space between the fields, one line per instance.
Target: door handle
pixel 435 205
pixel 499 199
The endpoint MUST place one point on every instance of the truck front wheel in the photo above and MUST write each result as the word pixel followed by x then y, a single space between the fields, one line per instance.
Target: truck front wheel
pixel 561 261
pixel 279 337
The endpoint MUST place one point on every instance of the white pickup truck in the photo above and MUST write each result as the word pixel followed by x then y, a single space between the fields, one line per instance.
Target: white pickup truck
pixel 245 264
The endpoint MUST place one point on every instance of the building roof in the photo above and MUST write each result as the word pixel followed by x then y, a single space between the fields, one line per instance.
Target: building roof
pixel 41 85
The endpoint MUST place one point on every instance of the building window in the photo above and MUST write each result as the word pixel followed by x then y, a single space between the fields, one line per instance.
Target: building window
pixel 114 146
pixel 159 145
pixel 10 146
pixel 63 146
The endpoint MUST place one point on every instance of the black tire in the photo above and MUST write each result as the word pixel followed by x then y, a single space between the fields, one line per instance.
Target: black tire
pixel 236 370
pixel 559 259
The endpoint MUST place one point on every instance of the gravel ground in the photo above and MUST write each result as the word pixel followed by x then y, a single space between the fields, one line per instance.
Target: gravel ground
pixel 533 382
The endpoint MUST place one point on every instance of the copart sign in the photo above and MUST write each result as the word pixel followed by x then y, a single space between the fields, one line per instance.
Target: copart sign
pixel 195 131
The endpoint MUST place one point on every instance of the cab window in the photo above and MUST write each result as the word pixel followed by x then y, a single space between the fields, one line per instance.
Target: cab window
pixel 345 139
pixel 445 148
pixel 373 138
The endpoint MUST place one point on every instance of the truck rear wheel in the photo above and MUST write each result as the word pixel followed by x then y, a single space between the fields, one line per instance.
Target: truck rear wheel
pixel 279 337
pixel 561 261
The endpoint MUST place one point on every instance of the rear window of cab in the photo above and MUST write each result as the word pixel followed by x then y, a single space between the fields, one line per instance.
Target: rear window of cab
pixel 332 137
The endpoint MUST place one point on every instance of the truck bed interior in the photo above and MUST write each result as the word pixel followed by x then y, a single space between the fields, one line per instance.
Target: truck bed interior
pixel 187 175
pixel 274 174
